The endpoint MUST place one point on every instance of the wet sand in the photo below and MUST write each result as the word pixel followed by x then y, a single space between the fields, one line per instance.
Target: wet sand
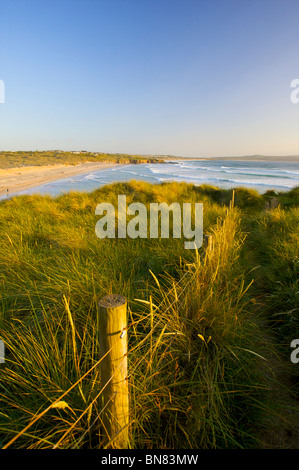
pixel 13 180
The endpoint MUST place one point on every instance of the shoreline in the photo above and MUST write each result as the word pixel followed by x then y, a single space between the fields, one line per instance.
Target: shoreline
pixel 17 179
pixel 13 180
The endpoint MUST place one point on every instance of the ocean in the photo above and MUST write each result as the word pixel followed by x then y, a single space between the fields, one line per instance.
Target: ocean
pixel 259 175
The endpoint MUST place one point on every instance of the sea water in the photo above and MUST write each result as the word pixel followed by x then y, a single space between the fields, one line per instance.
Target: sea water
pixel 259 175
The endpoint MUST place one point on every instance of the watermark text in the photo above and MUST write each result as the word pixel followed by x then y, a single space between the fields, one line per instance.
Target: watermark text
pixel 295 352
pixel 144 224
pixel 2 352
pixel 295 93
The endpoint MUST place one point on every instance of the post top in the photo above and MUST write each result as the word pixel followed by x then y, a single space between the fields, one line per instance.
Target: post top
pixel 112 301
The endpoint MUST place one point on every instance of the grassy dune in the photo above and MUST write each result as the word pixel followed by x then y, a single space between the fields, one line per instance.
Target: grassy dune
pixel 209 332
pixel 54 157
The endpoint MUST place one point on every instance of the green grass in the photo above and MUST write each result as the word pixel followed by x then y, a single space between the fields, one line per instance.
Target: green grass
pixel 274 237
pixel 52 157
pixel 208 332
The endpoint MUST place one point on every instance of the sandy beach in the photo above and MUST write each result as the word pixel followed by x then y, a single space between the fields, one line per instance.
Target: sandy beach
pixel 13 180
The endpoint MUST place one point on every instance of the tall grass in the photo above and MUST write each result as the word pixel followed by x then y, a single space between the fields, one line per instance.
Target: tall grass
pixel 274 235
pixel 197 385
pixel 197 351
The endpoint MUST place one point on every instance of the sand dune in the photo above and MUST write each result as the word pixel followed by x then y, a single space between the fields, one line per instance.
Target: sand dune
pixel 18 179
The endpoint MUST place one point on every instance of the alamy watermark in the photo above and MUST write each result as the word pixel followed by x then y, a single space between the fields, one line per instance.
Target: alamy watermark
pixel 2 352
pixel 295 93
pixel 2 92
pixel 295 352
pixel 144 224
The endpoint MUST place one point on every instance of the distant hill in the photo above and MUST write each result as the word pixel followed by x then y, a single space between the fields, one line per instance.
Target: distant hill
pixel 9 159
pixel 273 158
pixel 287 158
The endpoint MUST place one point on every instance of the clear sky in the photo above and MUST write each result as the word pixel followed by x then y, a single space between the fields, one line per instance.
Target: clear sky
pixel 178 77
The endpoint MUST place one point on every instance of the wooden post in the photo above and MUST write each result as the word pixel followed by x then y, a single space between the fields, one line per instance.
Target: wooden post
pixel 207 242
pixel 207 245
pixel 113 334
pixel 232 202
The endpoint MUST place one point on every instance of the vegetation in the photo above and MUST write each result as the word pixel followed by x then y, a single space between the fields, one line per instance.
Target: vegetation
pixel 40 158
pixel 209 332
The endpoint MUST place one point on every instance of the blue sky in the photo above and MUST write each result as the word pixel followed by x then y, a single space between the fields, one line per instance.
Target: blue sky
pixel 178 77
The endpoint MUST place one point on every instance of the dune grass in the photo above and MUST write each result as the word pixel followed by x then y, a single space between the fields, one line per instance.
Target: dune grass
pixel 54 157
pixel 199 344
pixel 274 237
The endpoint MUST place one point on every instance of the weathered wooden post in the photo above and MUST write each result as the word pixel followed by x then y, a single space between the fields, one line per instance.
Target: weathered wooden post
pixel 208 242
pixel 232 202
pixel 113 334
pixel 207 245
